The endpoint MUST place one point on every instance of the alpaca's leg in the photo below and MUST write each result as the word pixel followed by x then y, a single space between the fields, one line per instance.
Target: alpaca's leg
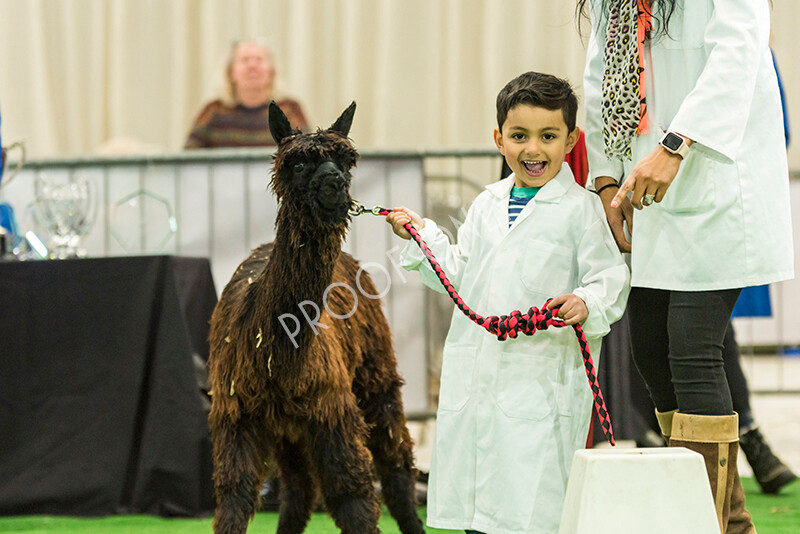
pixel 238 472
pixel 343 466
pixel 298 491
pixel 392 452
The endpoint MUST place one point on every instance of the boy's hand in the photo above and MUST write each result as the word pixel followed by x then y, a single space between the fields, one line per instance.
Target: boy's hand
pixel 616 216
pixel 401 216
pixel 572 308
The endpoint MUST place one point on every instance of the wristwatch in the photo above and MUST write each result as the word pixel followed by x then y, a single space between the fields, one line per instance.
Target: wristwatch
pixel 675 144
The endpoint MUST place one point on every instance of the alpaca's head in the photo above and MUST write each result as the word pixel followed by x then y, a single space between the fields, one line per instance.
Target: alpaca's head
pixel 311 171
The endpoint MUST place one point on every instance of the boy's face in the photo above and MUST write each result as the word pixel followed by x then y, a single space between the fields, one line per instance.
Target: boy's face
pixel 534 141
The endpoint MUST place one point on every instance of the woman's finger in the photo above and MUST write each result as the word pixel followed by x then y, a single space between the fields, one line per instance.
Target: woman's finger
pixel 638 193
pixel 626 188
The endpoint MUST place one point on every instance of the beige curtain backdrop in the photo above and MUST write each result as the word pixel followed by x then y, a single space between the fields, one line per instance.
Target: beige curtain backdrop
pixel 78 76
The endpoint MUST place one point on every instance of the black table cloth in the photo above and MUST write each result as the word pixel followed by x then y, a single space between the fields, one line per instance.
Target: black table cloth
pixel 100 409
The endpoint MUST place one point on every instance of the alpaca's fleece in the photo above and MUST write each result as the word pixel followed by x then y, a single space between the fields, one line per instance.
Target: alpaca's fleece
pixel 303 375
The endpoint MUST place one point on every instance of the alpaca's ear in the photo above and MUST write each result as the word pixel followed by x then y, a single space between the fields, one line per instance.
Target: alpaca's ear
pixel 279 125
pixel 345 120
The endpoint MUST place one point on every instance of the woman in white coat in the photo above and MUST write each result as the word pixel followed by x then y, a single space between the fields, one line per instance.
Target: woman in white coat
pixel 682 99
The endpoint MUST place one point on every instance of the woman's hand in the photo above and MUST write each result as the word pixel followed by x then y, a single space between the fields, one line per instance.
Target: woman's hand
pixel 401 216
pixel 616 216
pixel 651 176
pixel 572 308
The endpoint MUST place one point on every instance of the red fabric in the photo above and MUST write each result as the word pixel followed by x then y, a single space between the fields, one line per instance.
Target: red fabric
pixel 578 161
pixel 644 25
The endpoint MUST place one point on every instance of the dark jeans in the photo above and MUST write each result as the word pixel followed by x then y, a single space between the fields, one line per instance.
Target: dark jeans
pixel 676 340
pixel 472 532
pixel 740 393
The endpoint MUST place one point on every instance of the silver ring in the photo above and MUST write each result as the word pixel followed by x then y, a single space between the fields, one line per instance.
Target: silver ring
pixel 648 199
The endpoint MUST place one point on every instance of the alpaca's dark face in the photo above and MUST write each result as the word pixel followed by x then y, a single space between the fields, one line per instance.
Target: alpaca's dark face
pixel 312 171
pixel 314 175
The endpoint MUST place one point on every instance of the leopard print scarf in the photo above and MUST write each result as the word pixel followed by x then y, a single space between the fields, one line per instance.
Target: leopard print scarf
pixel 624 103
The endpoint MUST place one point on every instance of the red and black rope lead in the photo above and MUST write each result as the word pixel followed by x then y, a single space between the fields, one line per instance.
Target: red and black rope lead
pixel 509 326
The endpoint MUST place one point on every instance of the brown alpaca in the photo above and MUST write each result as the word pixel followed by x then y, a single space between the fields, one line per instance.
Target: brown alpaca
pixel 302 368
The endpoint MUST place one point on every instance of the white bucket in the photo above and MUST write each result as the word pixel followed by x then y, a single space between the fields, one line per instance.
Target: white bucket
pixel 636 491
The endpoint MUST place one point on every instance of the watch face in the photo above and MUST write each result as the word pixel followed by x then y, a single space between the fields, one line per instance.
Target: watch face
pixel 672 141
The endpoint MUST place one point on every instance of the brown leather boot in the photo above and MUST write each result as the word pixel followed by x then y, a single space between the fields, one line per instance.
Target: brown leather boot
pixel 716 438
pixel 665 422
pixel 739 521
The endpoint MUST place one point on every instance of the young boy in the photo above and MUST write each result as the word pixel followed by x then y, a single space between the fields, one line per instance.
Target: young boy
pixel 512 413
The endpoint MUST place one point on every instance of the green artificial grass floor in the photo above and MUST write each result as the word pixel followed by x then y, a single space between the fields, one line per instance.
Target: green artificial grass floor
pixel 775 514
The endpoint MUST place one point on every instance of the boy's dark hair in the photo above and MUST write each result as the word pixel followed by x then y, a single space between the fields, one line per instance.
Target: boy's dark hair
pixel 540 90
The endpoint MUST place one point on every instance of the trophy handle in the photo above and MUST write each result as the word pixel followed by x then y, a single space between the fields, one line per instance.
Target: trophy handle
pixel 20 163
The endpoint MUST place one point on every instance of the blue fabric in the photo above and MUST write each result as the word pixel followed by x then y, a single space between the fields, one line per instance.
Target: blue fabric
pixel 520 196
pixel 524 192
pixel 2 160
pixel 6 216
pixel 753 302
pixel 9 222
pixel 786 131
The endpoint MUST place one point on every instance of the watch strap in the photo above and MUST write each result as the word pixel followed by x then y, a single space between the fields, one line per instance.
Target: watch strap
pixel 682 149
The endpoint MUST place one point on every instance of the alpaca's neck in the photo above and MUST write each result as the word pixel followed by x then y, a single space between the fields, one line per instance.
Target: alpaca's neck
pixel 299 272
pixel 302 264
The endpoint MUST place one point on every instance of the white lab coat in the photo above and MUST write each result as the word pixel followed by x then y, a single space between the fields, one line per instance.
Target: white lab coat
pixel 725 220
pixel 511 414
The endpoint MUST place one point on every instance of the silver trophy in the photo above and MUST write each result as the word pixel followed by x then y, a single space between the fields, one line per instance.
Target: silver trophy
pixel 7 175
pixel 67 209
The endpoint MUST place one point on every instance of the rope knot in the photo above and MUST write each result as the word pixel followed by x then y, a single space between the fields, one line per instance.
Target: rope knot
pixel 509 326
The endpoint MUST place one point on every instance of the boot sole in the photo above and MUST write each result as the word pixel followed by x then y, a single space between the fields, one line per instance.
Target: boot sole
pixel 774 485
